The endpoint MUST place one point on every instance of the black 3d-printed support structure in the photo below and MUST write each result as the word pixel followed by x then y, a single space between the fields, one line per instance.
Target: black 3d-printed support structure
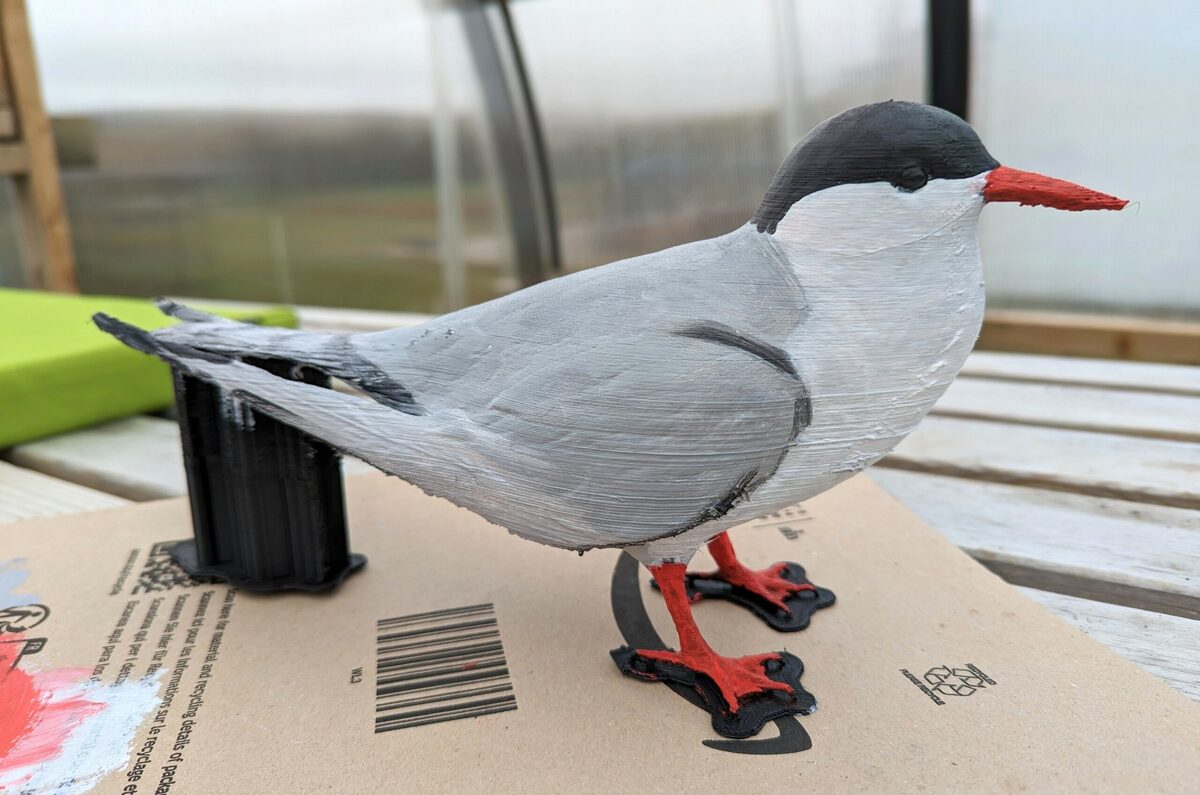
pixel 267 504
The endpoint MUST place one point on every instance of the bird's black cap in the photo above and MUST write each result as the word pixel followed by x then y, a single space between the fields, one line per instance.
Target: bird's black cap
pixel 904 143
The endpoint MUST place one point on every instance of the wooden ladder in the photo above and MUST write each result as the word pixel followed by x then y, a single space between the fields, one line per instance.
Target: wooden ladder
pixel 27 156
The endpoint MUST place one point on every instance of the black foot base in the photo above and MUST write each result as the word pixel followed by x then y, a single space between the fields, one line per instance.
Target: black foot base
pixel 184 554
pixel 800 605
pixel 753 712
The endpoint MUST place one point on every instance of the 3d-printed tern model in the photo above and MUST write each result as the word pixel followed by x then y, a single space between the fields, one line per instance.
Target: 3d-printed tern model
pixel 655 402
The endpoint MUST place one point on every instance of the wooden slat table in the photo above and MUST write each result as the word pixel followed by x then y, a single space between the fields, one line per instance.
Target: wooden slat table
pixel 26 494
pixel 1077 480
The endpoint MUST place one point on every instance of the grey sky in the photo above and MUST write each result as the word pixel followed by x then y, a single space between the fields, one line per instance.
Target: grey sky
pixel 624 57
pixel 262 55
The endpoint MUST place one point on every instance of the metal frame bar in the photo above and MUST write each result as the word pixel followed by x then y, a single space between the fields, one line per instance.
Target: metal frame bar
pixel 950 55
pixel 523 159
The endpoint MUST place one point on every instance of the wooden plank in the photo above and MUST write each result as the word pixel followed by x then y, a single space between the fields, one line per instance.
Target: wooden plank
pixel 45 232
pixel 25 494
pixel 1127 553
pixel 137 458
pixel 1156 471
pixel 1166 646
pixel 1094 336
pixel 326 318
pixel 1167 379
pixel 314 318
pixel 1077 407
pixel 8 118
pixel 14 159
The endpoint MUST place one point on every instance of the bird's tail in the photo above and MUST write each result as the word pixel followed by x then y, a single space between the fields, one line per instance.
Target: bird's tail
pixel 202 331
pixel 359 427
pixel 189 315
pixel 332 354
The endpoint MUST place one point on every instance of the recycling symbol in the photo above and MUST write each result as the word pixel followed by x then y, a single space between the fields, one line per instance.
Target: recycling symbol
pixel 953 681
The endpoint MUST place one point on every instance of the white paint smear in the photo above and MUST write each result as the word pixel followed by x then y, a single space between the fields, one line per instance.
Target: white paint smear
pixel 100 744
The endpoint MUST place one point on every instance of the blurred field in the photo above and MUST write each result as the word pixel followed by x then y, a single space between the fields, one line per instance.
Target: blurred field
pixel 332 210
pixel 340 209
pixel 371 248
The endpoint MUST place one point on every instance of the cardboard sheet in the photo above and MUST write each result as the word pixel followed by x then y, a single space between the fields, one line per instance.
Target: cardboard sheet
pixel 931 674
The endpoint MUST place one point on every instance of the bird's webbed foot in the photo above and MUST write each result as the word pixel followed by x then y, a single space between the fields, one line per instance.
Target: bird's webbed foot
pixel 734 677
pixel 781 594
pixel 740 693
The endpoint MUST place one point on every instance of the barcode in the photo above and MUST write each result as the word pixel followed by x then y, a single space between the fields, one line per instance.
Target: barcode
pixel 439 666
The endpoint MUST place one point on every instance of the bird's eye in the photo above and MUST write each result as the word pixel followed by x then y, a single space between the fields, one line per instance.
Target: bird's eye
pixel 911 179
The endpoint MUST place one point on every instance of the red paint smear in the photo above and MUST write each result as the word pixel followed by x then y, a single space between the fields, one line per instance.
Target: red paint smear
pixel 33 723
pixel 734 676
pixel 18 706
pixel 1006 184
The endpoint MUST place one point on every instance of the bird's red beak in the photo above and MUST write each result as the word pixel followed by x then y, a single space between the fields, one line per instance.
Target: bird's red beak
pixel 1006 184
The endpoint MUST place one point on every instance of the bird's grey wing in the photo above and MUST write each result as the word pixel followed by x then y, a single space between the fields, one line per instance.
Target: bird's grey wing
pixel 639 435
pixel 613 406
pixel 636 437
pixel 618 404
pixel 464 359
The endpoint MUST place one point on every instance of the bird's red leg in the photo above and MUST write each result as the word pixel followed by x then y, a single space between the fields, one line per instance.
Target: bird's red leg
pixel 767 583
pixel 735 677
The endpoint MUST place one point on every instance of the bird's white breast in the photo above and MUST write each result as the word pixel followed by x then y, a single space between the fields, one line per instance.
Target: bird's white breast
pixel 893 285
pixel 895 302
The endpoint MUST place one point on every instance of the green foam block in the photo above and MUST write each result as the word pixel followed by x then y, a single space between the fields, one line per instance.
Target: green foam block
pixel 59 372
